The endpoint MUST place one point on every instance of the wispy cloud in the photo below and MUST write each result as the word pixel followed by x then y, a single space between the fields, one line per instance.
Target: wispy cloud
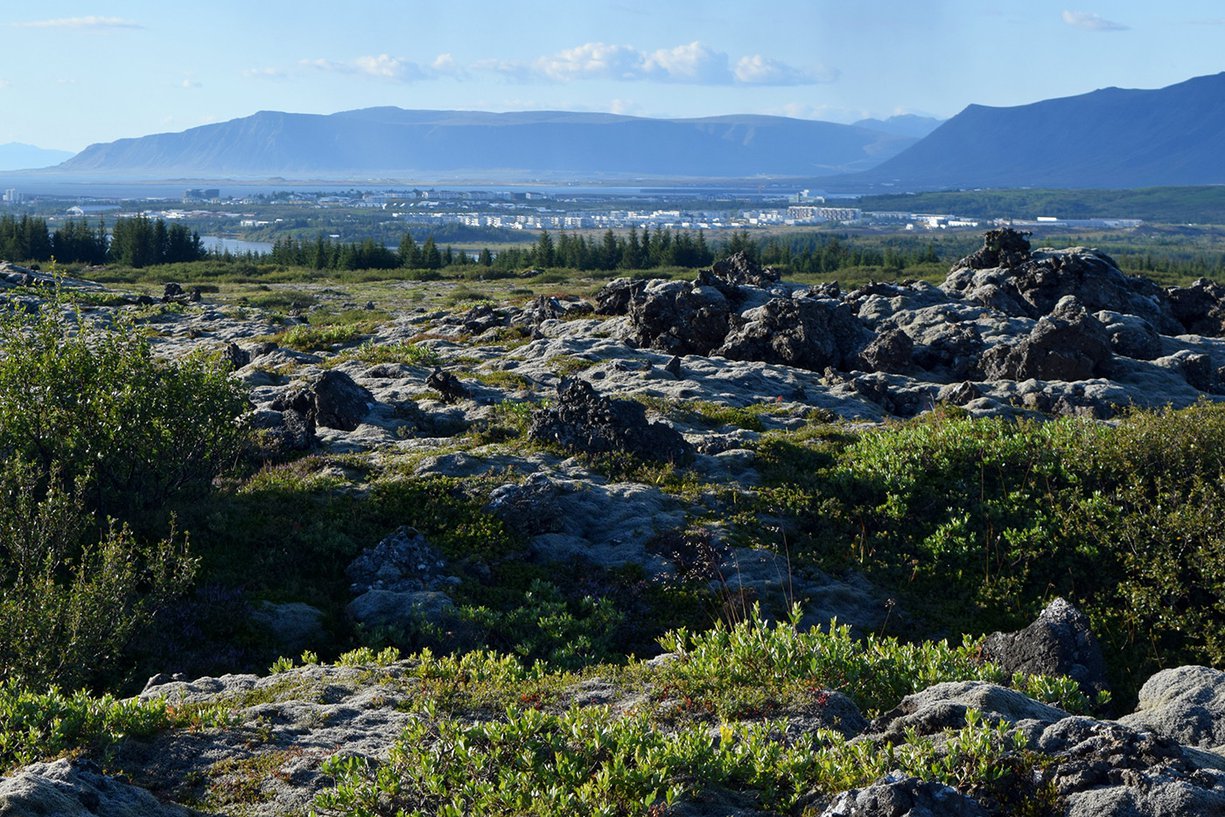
pixel 190 84
pixel 693 63
pixel 91 23
pixel 387 67
pixel 4 83
pixel 1091 22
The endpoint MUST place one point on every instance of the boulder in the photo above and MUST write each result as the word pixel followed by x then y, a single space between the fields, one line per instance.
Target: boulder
pixel 679 317
pixel 889 351
pixel 944 706
pixel 614 297
pixel 402 561
pixel 904 797
pixel 1107 769
pixel 448 385
pixel 340 402
pixel 77 788
pixel 1199 308
pixel 1186 704
pixel 293 626
pixel 1131 336
pixel 1032 286
pixel 809 333
pixel 1069 344
pixel 586 422
pixel 1058 642
pixel 1005 247
pixel 738 269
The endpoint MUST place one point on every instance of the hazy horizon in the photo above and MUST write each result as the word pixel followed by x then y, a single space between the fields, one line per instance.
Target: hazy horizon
pixel 129 68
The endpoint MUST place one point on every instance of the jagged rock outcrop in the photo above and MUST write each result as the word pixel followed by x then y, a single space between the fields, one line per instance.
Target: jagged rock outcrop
pixel 1069 344
pixel 904 797
pixel 582 420
pixel 339 402
pixel 1059 642
pixel 1032 284
pixel 400 582
pixel 679 317
pixel 809 333
pixel 1200 308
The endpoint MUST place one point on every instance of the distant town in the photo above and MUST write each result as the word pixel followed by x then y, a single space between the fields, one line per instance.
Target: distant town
pixel 504 215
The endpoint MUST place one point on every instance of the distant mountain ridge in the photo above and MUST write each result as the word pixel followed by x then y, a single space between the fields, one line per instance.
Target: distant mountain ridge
pixel 388 140
pixel 19 156
pixel 1113 137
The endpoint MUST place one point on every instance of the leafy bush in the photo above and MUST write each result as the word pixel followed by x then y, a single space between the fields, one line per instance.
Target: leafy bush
pixel 591 762
pixel 96 404
pixel 979 522
pixel 40 725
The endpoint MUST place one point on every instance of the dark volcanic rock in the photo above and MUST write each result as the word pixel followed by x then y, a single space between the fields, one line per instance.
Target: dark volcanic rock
pixel 739 269
pixel 1106 769
pixel 1059 642
pixel 679 317
pixel 615 296
pixel 1069 344
pixel 1034 286
pixel 236 355
pixel 810 333
pixel 1200 308
pixel 949 351
pixel 1001 248
pixel 904 797
pixel 340 402
pixel 448 385
pixel 889 351
pixel 582 420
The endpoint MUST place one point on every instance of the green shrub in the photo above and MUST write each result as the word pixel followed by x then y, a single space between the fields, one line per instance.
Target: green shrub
pixel 42 725
pixel 592 762
pixel 71 600
pixel 95 402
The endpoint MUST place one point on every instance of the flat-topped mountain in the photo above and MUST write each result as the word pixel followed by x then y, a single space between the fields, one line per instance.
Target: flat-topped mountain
pixel 393 140
pixel 1112 137
pixel 19 156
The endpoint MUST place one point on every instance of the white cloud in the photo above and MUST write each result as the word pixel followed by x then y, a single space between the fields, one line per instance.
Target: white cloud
pixel 190 84
pixel 4 83
pixel 759 70
pixel 387 67
pixel 689 63
pixel 91 23
pixel 592 61
pixel 444 65
pixel 1091 22
pixel 693 63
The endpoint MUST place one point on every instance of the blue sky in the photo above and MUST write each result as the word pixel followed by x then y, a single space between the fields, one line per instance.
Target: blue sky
pixel 74 73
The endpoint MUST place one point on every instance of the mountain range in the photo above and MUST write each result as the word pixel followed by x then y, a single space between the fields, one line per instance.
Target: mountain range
pixel 393 142
pixel 1111 138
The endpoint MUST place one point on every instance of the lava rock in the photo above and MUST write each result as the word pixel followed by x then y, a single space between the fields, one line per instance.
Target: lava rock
pixel 583 421
pixel 340 402
pixel 904 797
pixel 809 333
pixel 1058 642
pixel 614 297
pixel 1069 344
pixel 889 351
pixel 448 385
pixel 679 317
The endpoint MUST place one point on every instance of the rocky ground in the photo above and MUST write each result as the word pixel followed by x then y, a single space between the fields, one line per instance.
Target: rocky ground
pixel 687 375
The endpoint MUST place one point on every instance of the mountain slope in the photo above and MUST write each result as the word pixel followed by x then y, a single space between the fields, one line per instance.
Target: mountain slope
pixel 1107 138
pixel 18 156
pixel 388 140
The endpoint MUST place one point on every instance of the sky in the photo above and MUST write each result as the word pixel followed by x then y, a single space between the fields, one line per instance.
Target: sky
pixel 75 73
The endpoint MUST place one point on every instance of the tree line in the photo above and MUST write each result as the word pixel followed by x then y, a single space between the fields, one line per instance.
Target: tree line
pixel 137 241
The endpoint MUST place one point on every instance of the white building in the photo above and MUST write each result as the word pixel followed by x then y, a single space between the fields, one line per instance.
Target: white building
pixel 12 196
